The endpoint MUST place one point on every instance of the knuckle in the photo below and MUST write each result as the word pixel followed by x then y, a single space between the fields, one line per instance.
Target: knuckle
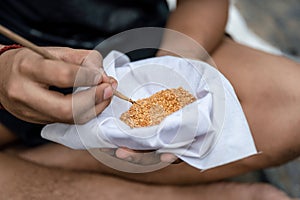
pixel 26 113
pixel 96 54
pixel 13 91
pixel 67 53
pixel 24 64
pixel 93 59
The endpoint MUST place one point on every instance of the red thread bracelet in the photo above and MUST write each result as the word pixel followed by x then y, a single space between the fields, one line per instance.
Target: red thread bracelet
pixel 6 48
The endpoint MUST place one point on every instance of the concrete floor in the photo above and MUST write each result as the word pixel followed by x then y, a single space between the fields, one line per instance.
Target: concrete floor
pixel 278 22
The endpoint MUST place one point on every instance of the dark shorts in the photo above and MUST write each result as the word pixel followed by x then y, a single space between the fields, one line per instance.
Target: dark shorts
pixel 28 133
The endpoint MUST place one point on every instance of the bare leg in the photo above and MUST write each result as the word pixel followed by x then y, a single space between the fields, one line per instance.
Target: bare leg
pixel 264 93
pixel 268 89
pixel 24 180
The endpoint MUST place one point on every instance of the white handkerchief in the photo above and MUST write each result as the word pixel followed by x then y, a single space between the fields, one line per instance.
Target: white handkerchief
pixel 210 132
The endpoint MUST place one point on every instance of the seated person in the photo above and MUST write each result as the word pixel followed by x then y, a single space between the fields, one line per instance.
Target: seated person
pixel 266 86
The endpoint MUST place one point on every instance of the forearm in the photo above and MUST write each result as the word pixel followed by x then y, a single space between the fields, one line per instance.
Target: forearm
pixel 202 20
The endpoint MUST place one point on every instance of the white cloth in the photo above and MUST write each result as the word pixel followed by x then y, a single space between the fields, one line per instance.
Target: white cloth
pixel 207 133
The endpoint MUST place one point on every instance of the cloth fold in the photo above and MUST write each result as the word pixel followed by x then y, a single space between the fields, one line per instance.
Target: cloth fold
pixel 210 132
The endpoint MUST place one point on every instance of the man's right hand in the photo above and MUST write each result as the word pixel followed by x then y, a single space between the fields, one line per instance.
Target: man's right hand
pixel 25 78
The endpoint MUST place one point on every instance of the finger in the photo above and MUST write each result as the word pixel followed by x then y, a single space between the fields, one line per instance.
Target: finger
pixel 113 82
pixel 169 158
pixel 61 74
pixel 93 60
pixel 85 116
pixel 109 151
pixel 125 154
pixel 90 103
pixel 46 112
pixel 56 72
pixel 63 108
pixel 88 58
pixel 138 157
pixel 109 79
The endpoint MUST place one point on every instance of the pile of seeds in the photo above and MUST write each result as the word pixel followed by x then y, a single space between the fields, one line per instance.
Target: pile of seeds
pixel 151 111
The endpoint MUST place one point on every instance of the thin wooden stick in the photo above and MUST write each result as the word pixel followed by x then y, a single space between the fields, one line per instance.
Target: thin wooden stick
pixel 22 41
pixel 122 96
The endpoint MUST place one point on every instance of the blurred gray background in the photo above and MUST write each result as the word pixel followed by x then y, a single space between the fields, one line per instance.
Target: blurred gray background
pixel 276 21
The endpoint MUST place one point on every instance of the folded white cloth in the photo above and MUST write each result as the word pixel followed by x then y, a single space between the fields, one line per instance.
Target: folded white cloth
pixel 207 133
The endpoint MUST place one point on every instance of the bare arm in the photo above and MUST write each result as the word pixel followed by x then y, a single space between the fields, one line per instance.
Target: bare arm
pixel 202 20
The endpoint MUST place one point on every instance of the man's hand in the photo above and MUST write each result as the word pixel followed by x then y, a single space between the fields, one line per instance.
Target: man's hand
pixel 25 78
pixel 142 157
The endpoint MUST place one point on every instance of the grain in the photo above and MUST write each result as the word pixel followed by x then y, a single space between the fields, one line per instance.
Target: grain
pixel 152 110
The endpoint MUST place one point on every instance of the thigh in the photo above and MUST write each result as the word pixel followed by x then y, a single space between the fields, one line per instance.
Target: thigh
pixel 25 180
pixel 268 88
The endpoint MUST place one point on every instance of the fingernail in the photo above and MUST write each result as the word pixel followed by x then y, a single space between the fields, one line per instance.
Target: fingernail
pixel 114 85
pixel 107 93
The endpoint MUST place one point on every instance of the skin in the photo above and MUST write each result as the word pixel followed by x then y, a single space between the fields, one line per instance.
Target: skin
pixel 252 94
pixel 203 21
pixel 84 184
pixel 270 99
pixel 282 147
pixel 26 76
pixel 266 90
pixel 40 182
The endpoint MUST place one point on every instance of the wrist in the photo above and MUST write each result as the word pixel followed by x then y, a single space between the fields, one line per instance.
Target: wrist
pixel 4 48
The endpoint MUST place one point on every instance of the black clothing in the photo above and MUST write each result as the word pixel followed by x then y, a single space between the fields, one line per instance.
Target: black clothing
pixel 77 24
